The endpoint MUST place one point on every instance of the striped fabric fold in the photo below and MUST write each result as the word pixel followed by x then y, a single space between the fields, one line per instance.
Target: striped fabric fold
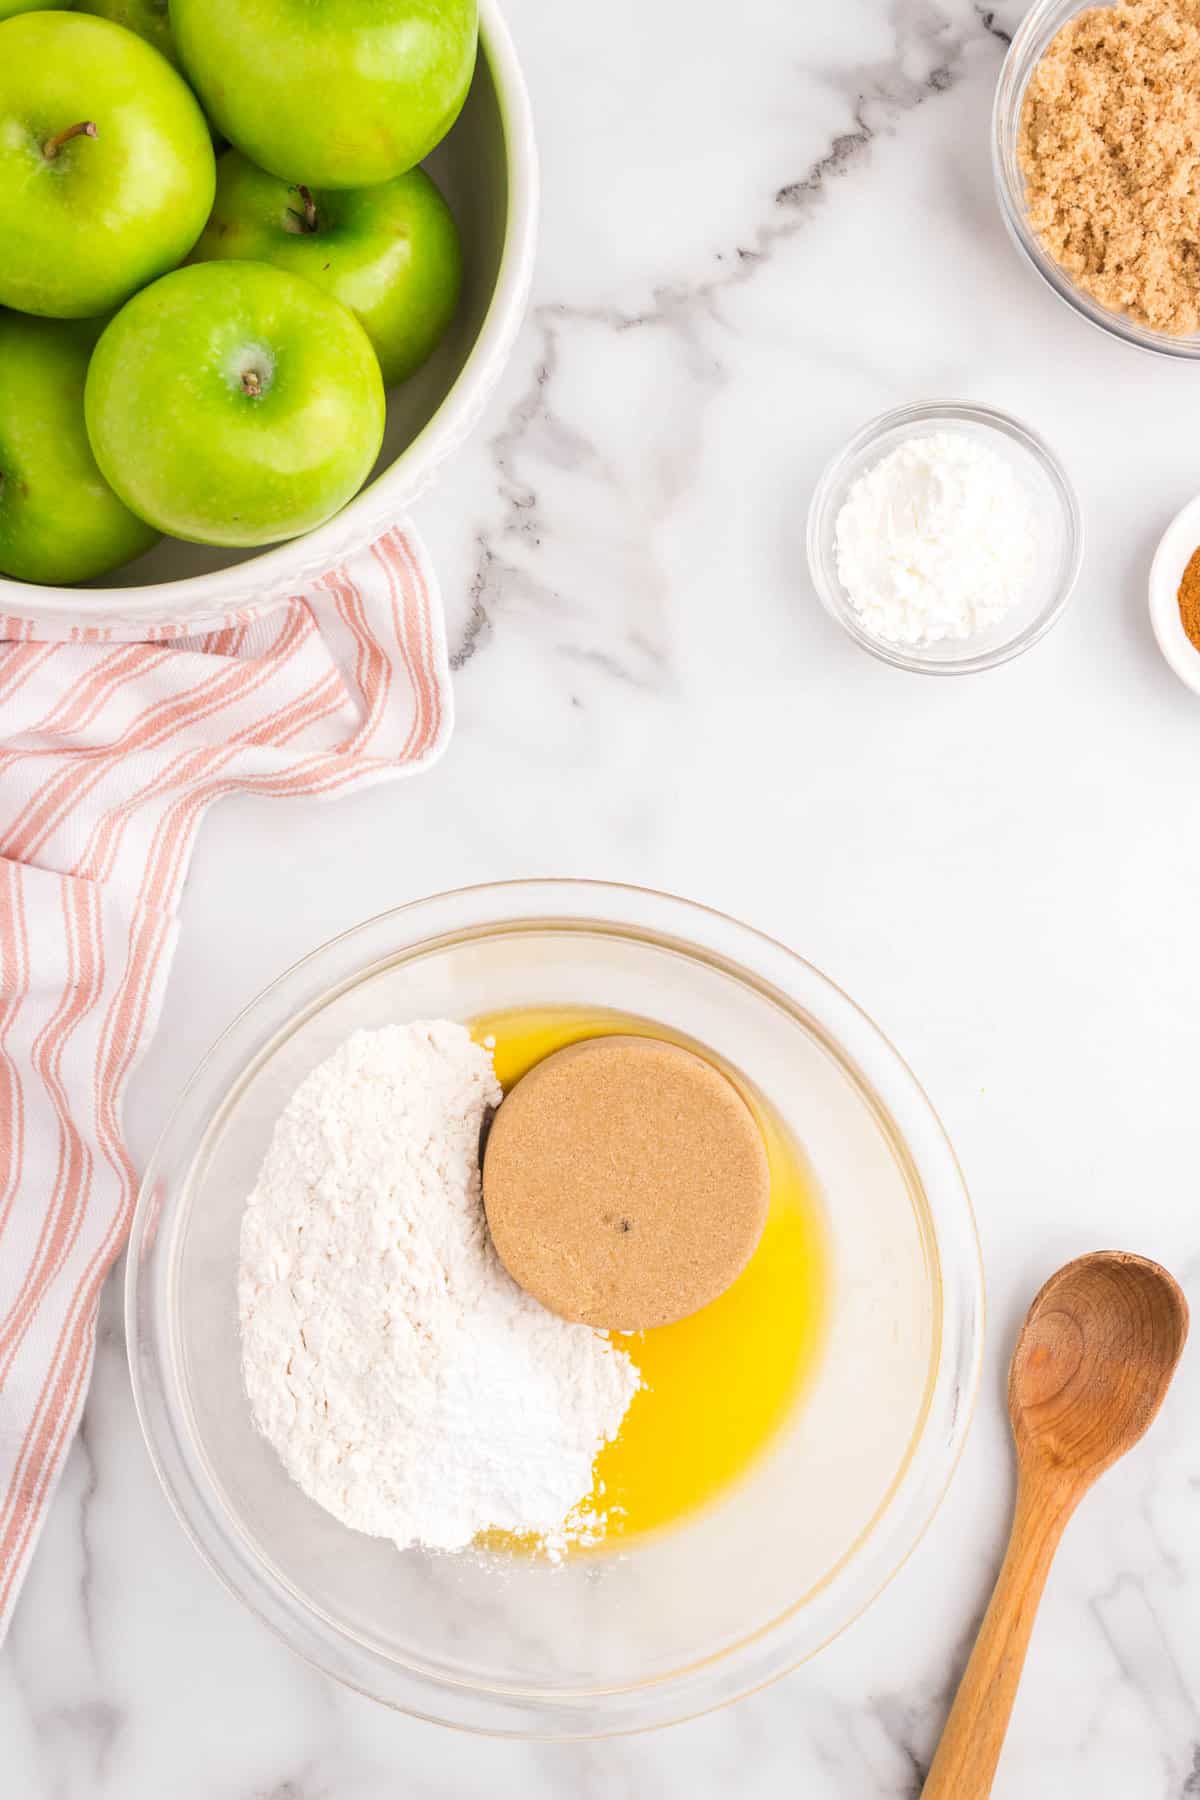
pixel 110 751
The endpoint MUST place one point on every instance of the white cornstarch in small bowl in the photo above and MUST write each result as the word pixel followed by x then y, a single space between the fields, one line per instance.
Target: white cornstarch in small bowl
pixel 938 540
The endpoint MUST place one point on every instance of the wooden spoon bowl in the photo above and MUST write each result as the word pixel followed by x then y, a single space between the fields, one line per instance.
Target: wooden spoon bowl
pixel 1092 1364
pixel 1091 1369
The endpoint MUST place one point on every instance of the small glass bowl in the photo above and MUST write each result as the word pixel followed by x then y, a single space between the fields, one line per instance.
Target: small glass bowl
pixel 1040 25
pixel 1060 551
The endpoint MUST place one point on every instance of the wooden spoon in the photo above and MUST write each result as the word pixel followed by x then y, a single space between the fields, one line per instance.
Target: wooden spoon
pixel 1093 1362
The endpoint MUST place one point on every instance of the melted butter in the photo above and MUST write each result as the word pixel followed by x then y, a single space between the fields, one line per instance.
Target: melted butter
pixel 719 1386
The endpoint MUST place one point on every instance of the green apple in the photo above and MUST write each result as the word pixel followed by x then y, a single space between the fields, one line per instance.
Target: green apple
pixel 59 519
pixel 10 8
pixel 107 172
pixel 390 253
pixel 149 18
pixel 232 403
pixel 337 93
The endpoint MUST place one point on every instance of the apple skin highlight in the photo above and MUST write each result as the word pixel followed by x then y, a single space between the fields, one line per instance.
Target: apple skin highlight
pixel 390 253
pixel 352 92
pixel 231 403
pixel 107 173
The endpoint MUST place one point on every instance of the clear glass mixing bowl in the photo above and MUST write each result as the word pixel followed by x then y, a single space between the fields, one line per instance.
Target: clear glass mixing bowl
pixel 733 1597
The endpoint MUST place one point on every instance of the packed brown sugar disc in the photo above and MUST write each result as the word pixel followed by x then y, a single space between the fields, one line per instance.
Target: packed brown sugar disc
pixel 625 1182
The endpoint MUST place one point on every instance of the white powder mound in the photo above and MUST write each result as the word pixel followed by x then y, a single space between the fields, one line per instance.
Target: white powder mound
pixel 407 1383
pixel 938 540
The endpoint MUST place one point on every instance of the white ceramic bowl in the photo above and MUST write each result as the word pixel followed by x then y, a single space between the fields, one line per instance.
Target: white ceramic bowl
pixel 733 1595
pixel 1174 552
pixel 487 168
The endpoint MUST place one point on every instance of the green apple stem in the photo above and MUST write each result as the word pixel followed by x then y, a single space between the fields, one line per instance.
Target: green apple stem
pixel 307 220
pixel 52 146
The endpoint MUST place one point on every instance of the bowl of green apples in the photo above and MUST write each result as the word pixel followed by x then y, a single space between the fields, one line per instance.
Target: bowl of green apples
pixel 261 264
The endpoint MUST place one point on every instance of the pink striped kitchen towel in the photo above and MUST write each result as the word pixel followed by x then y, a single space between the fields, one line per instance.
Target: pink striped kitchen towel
pixel 110 751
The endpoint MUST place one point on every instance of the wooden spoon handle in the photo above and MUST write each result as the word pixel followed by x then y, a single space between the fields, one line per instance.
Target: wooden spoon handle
pixel 965 1764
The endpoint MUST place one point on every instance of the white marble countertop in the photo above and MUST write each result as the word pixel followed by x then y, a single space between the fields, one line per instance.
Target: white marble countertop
pixel 761 227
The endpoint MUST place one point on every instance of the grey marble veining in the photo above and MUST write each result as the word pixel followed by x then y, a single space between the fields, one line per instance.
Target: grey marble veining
pixel 761 227
pixel 926 56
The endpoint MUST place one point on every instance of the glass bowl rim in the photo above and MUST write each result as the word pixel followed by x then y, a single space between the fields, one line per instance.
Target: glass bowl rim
pixel 950 412
pixel 1029 42
pixel 708 1680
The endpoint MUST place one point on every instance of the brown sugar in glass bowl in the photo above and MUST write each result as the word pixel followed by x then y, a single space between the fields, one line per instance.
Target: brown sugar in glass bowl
pixel 1109 151
pixel 625 1182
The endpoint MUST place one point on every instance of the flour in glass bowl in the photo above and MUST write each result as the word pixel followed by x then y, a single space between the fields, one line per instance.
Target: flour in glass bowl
pixel 408 1385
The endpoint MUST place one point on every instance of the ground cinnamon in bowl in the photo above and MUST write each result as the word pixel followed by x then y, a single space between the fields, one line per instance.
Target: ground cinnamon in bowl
pixel 1110 151
pixel 1189 599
